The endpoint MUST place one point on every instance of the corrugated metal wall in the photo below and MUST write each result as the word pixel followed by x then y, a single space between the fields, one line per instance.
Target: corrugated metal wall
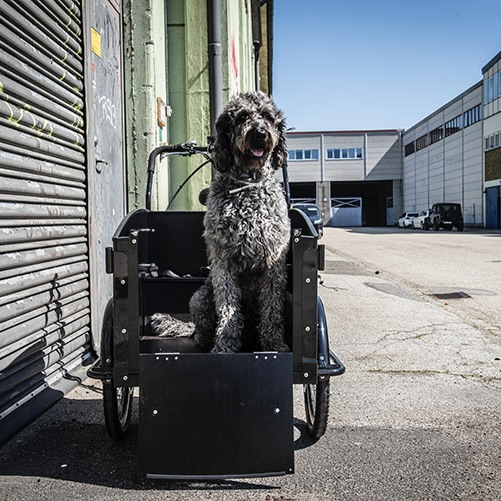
pixel 44 283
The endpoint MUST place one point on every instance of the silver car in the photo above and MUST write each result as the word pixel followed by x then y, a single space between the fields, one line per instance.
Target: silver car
pixel 406 219
pixel 422 221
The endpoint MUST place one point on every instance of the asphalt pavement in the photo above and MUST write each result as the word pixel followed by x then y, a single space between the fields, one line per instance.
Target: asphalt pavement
pixel 415 416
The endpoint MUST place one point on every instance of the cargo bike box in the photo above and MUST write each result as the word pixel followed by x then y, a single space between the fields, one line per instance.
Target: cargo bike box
pixel 206 415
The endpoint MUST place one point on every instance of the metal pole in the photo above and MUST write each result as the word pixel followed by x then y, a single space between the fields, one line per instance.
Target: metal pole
pixel 215 62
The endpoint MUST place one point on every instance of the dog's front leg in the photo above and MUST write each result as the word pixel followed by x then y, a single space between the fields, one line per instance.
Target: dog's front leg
pixel 203 315
pixel 230 321
pixel 272 310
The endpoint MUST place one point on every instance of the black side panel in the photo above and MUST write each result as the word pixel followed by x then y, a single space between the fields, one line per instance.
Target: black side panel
pixel 168 295
pixel 177 244
pixel 219 416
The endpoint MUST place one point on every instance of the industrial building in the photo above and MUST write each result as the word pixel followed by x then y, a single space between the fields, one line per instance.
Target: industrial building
pixel 443 158
pixel 454 154
pixel 492 141
pixel 368 178
pixel 355 176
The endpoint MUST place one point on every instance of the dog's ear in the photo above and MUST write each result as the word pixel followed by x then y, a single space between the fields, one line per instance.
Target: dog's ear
pixel 222 154
pixel 279 155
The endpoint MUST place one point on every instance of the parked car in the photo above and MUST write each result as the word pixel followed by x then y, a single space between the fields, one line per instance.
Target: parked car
pixel 422 221
pixel 313 213
pixel 446 216
pixel 406 219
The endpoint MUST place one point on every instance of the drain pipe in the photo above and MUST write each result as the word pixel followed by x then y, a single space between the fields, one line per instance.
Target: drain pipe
pixel 215 62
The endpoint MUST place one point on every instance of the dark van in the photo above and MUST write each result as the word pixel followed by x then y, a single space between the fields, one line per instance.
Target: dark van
pixel 446 216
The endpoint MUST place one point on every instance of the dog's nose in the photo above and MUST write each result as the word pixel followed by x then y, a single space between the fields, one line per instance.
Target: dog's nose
pixel 261 133
pixel 259 136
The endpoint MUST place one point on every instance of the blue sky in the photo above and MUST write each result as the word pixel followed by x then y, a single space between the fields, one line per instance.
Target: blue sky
pixel 361 64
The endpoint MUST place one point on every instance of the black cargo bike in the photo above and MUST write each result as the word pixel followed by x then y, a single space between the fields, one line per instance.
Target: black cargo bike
pixel 205 415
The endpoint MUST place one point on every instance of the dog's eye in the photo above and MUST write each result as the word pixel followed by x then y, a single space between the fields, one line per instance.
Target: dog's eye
pixel 267 116
pixel 240 118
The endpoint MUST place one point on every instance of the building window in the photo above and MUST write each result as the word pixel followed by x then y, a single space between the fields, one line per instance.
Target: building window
pixel 473 115
pixel 436 134
pixel 492 88
pixel 421 142
pixel 410 148
pixel 493 141
pixel 303 155
pixel 344 153
pixel 453 126
pixel 311 154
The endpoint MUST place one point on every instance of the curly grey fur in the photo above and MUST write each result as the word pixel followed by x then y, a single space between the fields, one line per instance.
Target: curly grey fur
pixel 166 325
pixel 247 232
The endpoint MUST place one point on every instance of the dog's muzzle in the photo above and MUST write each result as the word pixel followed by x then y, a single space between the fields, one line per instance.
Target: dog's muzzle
pixel 259 143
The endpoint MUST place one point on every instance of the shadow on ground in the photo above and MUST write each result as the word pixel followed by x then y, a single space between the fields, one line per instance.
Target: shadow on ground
pixel 70 443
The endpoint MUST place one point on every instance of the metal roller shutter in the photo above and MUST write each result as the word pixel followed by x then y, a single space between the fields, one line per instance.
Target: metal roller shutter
pixel 44 282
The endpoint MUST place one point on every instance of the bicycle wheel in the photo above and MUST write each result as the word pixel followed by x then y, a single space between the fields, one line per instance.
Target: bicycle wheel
pixel 316 402
pixel 117 402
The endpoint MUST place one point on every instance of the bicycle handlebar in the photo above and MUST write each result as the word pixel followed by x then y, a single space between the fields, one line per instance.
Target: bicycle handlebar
pixel 183 149
pixel 188 149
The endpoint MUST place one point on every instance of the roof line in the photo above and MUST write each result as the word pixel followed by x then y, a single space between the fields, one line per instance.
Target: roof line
pixel 443 107
pixel 360 131
pixel 491 63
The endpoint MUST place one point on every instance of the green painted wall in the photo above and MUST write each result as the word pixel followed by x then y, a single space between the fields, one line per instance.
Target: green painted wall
pixel 166 56
pixel 145 81
pixel 188 77
pixel 139 122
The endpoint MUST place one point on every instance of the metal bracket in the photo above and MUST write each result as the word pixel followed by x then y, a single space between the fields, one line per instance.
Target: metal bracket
pixel 109 259
pixel 321 257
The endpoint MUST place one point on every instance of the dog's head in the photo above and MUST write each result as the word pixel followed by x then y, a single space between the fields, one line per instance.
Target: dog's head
pixel 250 134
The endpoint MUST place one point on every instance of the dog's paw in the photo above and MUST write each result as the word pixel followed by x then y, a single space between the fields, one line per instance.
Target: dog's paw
pixel 163 324
pixel 224 344
pixel 160 321
pixel 219 350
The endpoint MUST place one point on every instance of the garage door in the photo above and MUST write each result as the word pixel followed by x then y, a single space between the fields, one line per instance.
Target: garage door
pixel 44 283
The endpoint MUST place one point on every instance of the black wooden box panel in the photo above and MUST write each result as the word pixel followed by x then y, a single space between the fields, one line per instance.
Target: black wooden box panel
pixel 215 415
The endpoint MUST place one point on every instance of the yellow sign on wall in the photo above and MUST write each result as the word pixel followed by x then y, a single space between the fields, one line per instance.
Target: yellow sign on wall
pixel 95 39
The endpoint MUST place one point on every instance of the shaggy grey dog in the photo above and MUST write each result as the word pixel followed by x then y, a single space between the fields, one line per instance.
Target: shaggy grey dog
pixel 247 233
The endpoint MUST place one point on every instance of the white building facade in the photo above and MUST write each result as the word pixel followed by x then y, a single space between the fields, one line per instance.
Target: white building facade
pixel 353 176
pixel 369 178
pixel 492 141
pixel 443 160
